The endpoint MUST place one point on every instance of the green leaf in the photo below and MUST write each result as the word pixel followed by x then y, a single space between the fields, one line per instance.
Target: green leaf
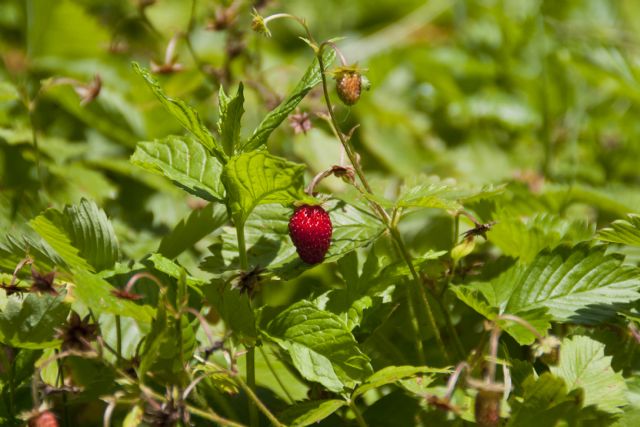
pixel 525 237
pixel 307 413
pixel 53 232
pixel 538 318
pixel 258 178
pixel 32 322
pixel 234 308
pixel 186 115
pixel 198 224
pixel 584 365
pixel 92 233
pixel 171 269
pixel 230 115
pixel 626 232
pixel 82 235
pixel 320 345
pixel 169 346
pixel 96 293
pixel 14 249
pixel 578 284
pixel 276 116
pixel 392 374
pixel 544 403
pixel 185 162
pixel 432 192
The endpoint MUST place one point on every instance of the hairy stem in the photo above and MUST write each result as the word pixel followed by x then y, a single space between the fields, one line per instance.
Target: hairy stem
pixel 384 216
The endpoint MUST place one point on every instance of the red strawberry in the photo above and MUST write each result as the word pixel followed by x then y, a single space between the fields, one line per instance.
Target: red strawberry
pixel 310 229
pixel 43 419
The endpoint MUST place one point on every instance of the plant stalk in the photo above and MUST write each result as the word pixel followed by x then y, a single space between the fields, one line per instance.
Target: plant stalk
pixel 119 338
pixel 384 216
pixel 359 418
pixel 251 355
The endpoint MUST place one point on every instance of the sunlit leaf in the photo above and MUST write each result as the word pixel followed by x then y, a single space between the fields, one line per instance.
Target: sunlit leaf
pixel 186 115
pixel 185 162
pixel 256 178
pixel 320 345
pixel 626 232
pixel 583 364
pixel 230 115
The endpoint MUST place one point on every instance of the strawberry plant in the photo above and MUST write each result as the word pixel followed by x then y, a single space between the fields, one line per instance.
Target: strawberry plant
pixel 210 218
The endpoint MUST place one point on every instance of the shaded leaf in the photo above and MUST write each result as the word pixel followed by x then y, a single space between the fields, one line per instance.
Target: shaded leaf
pixel 234 308
pixel 32 322
pixel 190 230
pixel 545 402
pixel 524 238
pixel 168 347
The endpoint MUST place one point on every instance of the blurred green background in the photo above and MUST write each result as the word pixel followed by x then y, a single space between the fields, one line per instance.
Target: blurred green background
pixel 480 91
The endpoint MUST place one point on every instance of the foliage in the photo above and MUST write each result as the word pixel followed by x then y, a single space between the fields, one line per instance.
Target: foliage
pixel 483 197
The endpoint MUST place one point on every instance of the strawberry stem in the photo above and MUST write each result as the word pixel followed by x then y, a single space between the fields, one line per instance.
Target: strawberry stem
pixel 383 214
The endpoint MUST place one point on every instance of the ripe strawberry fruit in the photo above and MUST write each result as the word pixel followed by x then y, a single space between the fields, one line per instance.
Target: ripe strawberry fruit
pixel 43 419
pixel 310 229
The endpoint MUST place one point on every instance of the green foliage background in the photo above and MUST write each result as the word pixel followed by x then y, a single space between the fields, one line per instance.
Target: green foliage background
pixel 521 114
